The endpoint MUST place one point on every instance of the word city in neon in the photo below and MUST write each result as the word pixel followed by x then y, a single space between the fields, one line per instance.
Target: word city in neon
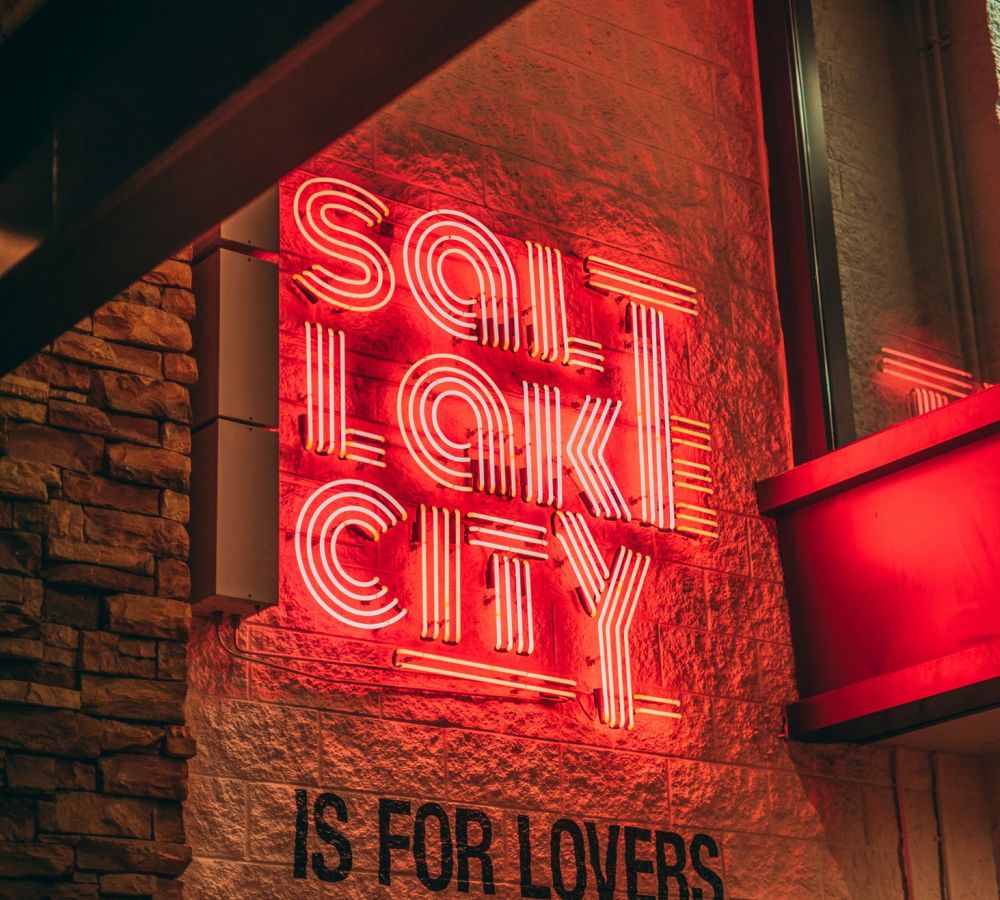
pixel 537 443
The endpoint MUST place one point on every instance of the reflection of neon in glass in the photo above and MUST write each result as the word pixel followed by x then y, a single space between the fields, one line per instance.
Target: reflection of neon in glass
pixel 955 383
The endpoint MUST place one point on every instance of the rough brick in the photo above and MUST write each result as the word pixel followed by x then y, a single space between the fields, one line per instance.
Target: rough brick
pixel 64 520
pixel 171 661
pixel 132 699
pixel 373 754
pixel 14 409
pixel 20 552
pixel 105 379
pixel 94 351
pixel 118 529
pixel 180 302
pixel 33 693
pixel 24 860
pixel 149 465
pixel 755 863
pixel 28 515
pixel 175 506
pixel 171 272
pixel 179 742
pixel 19 648
pixel 129 885
pixel 143 327
pixel 79 417
pixel 78 610
pixel 141 293
pixel 60 636
pixel 93 490
pixel 139 647
pixel 143 396
pixel 291 734
pixel 58 656
pixel 126 737
pixel 176 437
pixel 180 367
pixel 61 732
pixel 136 429
pixel 136 561
pixel 55 372
pixel 96 577
pixel 16 621
pixel 144 776
pixel 17 819
pixel 132 856
pixel 173 579
pixel 100 653
pixel 44 774
pixel 168 821
pixel 42 444
pixel 86 813
pixel 714 796
pixel 24 389
pixel 149 616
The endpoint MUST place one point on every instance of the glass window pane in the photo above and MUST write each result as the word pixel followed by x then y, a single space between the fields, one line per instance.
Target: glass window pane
pixel 909 108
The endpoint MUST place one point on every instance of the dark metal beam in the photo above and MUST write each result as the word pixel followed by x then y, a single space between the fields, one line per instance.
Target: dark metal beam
pixel 130 128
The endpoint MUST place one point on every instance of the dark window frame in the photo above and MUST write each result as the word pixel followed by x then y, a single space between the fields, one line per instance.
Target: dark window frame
pixel 805 248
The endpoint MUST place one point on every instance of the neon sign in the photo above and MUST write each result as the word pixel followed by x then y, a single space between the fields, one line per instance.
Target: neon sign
pixel 515 463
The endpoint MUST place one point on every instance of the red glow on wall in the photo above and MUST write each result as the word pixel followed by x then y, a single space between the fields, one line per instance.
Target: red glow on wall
pixel 463 464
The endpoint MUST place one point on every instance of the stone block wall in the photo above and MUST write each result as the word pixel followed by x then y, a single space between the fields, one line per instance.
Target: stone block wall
pixel 631 126
pixel 94 472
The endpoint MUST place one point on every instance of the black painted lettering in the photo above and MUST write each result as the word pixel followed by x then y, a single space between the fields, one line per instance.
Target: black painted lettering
pixel 440 881
pixel 528 887
pixel 634 867
pixel 464 851
pixel 666 870
pixel 703 842
pixel 559 828
pixel 301 834
pixel 387 841
pixel 606 877
pixel 333 836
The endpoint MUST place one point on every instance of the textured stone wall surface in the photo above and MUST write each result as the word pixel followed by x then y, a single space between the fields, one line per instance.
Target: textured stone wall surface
pixel 94 471
pixel 632 126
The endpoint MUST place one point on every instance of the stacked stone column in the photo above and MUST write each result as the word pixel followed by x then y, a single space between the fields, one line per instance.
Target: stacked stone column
pixel 95 467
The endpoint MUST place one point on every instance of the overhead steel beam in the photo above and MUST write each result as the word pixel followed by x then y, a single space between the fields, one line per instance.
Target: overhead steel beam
pixel 131 128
